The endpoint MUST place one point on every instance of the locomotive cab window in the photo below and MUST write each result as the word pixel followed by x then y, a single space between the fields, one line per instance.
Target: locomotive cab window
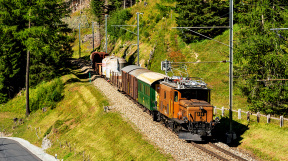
pixel 175 96
pixel 195 94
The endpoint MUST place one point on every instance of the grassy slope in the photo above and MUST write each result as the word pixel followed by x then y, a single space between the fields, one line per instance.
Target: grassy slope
pixel 164 41
pixel 79 121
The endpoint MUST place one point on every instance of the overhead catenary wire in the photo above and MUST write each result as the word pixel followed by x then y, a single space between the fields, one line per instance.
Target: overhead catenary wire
pixel 201 35
pixel 223 61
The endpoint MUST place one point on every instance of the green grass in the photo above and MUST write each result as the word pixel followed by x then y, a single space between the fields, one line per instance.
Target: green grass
pixel 267 141
pixel 80 125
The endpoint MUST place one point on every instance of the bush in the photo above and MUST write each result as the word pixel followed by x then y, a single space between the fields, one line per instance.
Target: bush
pixel 48 131
pixel 46 94
pixel 146 34
pixel 58 123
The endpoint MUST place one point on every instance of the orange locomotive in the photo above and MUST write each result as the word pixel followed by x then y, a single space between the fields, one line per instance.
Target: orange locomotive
pixel 183 104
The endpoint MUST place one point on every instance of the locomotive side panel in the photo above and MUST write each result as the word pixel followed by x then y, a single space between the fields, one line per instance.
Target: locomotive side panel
pixel 166 101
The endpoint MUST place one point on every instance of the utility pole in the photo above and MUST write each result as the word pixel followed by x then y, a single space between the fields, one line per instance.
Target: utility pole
pixel 79 40
pixel 27 77
pixel 138 36
pixel 106 42
pixel 231 64
pixel 93 34
pixel 230 135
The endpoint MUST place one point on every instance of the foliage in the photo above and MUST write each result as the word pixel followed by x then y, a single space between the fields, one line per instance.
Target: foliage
pixel 46 94
pixel 47 40
pixel 47 131
pixel 260 56
pixel 199 13
pixel 98 9
pixel 118 18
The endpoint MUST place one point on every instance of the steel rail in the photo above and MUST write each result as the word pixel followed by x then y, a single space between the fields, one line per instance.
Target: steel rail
pixel 209 152
pixel 227 152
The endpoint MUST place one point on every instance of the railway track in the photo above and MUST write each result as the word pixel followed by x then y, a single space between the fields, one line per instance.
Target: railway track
pixel 227 152
pixel 199 146
pixel 214 154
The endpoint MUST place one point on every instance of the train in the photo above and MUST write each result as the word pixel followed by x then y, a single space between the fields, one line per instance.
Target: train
pixel 181 103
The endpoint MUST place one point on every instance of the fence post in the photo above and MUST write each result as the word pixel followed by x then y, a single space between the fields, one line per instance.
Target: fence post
pixel 281 121
pixel 248 116
pixel 268 118
pixel 215 110
pixel 83 155
pixel 258 117
pixel 223 111
pixel 239 114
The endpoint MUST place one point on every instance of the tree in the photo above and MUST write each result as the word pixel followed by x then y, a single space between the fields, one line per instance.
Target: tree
pixel 199 13
pixel 47 40
pixel 261 55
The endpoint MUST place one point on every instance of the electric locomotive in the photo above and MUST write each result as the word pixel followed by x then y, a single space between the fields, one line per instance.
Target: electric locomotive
pixel 184 106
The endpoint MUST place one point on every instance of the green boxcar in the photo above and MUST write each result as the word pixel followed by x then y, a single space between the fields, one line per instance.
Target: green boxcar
pixel 146 95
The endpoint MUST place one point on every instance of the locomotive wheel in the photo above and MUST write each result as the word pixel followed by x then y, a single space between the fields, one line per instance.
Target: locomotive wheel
pixel 176 127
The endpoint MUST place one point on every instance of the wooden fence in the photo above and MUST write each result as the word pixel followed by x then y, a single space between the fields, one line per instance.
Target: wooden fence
pixel 249 114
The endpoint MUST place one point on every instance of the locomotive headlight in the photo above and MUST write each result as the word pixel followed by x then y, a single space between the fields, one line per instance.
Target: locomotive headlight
pixel 185 119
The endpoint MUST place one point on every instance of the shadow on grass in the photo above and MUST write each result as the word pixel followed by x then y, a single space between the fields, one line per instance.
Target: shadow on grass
pixel 219 132
pixel 72 80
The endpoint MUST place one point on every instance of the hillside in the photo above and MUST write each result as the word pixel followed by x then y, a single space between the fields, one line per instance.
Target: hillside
pixel 76 123
pixel 158 42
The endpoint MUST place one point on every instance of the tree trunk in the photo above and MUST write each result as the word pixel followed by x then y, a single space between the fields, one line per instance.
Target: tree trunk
pixel 27 79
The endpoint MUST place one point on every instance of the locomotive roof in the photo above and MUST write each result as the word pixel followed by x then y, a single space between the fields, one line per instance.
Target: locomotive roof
pixel 130 68
pixel 180 83
pixel 150 77
pixel 139 71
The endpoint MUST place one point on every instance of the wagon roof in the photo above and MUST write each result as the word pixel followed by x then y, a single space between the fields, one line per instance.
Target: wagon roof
pixel 130 68
pixel 150 77
pixel 99 53
pixel 139 71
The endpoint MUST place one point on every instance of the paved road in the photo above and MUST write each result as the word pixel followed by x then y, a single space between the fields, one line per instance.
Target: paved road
pixel 11 150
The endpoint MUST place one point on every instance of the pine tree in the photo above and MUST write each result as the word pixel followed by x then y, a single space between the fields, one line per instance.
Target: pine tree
pixel 261 55
pixel 47 40
pixel 200 13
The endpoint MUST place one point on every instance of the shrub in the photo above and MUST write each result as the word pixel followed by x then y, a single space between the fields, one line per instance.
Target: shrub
pixel 46 94
pixel 146 34
pixel 58 123
pixel 48 131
